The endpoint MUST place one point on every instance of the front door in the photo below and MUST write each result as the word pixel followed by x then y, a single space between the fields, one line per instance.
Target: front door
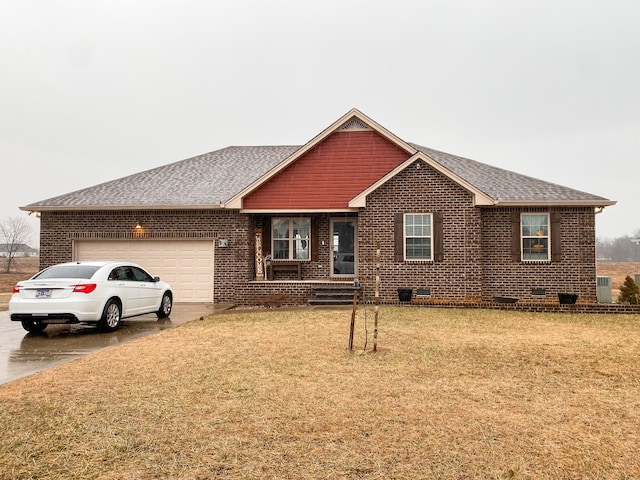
pixel 344 233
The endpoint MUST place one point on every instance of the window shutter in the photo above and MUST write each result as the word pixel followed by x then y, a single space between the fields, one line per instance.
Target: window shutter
pixel 399 237
pixel 516 254
pixel 266 235
pixel 556 237
pixel 438 244
pixel 315 239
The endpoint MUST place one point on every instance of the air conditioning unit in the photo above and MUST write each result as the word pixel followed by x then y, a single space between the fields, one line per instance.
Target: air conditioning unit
pixel 603 290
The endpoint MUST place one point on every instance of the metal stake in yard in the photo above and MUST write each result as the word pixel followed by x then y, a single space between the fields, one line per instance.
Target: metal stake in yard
pixel 353 319
pixel 377 300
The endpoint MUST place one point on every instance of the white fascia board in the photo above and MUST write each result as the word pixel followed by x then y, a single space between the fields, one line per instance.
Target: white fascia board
pixel 555 203
pixel 236 201
pixel 65 208
pixel 296 211
pixel 479 197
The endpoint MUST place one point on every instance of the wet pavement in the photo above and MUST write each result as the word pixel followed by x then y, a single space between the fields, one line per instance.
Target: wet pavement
pixel 23 354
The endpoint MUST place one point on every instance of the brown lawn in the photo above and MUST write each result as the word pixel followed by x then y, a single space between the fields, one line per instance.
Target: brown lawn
pixel 618 271
pixel 274 394
pixel 21 268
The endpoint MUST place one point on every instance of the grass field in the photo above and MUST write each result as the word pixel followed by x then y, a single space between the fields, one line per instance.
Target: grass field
pixel 21 268
pixel 274 394
pixel 618 271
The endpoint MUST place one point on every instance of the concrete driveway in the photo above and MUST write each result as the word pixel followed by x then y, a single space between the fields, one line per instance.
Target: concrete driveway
pixel 23 354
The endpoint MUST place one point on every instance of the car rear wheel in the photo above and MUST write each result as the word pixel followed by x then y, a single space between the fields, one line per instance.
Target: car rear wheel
pixel 165 306
pixel 111 316
pixel 33 326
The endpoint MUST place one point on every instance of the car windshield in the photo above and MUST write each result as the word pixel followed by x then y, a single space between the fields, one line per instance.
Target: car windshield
pixel 67 271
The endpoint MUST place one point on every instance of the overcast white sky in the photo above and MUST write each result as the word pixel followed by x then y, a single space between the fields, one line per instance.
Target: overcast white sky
pixel 92 90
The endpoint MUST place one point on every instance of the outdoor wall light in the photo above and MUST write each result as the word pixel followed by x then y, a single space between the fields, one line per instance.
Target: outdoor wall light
pixel 138 226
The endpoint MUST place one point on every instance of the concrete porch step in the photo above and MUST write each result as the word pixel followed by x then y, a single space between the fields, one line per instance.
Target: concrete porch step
pixel 330 301
pixel 333 295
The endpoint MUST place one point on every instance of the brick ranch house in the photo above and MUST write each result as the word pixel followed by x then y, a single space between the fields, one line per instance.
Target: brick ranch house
pixel 242 224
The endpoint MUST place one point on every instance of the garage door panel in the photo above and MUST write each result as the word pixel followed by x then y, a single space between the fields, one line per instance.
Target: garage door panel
pixel 186 264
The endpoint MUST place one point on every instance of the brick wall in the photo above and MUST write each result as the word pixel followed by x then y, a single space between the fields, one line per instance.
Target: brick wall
pixel 575 273
pixel 421 189
pixel 477 263
pixel 233 265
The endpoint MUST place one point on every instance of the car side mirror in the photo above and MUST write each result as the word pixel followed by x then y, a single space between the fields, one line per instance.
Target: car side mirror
pixel 156 279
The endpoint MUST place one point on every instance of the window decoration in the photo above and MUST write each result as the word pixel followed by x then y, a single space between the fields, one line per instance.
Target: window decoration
pixel 535 237
pixel 290 238
pixel 418 237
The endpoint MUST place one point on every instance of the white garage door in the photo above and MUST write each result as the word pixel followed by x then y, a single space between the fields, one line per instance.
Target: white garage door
pixel 187 265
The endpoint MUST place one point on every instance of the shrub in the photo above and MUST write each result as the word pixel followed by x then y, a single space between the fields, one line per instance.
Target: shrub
pixel 629 292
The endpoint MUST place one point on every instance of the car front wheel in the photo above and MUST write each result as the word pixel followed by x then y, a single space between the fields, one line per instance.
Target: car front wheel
pixel 33 326
pixel 111 316
pixel 165 306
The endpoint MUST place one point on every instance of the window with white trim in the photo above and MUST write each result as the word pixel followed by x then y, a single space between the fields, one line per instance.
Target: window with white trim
pixel 418 236
pixel 534 236
pixel 290 238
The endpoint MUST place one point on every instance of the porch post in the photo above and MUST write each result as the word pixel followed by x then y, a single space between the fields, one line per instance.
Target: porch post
pixel 257 236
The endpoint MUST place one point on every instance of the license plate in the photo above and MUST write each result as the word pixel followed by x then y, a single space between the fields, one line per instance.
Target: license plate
pixel 43 293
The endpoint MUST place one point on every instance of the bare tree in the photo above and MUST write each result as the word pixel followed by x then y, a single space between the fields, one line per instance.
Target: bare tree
pixel 621 249
pixel 14 234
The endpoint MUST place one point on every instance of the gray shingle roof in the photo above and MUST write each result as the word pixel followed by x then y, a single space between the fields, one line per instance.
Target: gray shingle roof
pixel 507 186
pixel 204 180
pixel 211 179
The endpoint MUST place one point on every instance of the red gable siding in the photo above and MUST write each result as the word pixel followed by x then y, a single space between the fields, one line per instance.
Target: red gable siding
pixel 330 174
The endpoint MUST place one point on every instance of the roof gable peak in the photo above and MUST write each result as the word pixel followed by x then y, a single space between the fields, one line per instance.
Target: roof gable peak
pixel 355 125
pixel 353 120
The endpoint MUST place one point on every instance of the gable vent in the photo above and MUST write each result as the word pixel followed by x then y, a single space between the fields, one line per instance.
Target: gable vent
pixel 354 124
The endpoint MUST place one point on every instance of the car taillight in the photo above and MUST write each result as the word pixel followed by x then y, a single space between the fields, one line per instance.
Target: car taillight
pixel 84 287
pixel 17 288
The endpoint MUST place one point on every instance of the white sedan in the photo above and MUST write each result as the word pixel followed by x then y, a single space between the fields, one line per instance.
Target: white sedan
pixel 102 293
